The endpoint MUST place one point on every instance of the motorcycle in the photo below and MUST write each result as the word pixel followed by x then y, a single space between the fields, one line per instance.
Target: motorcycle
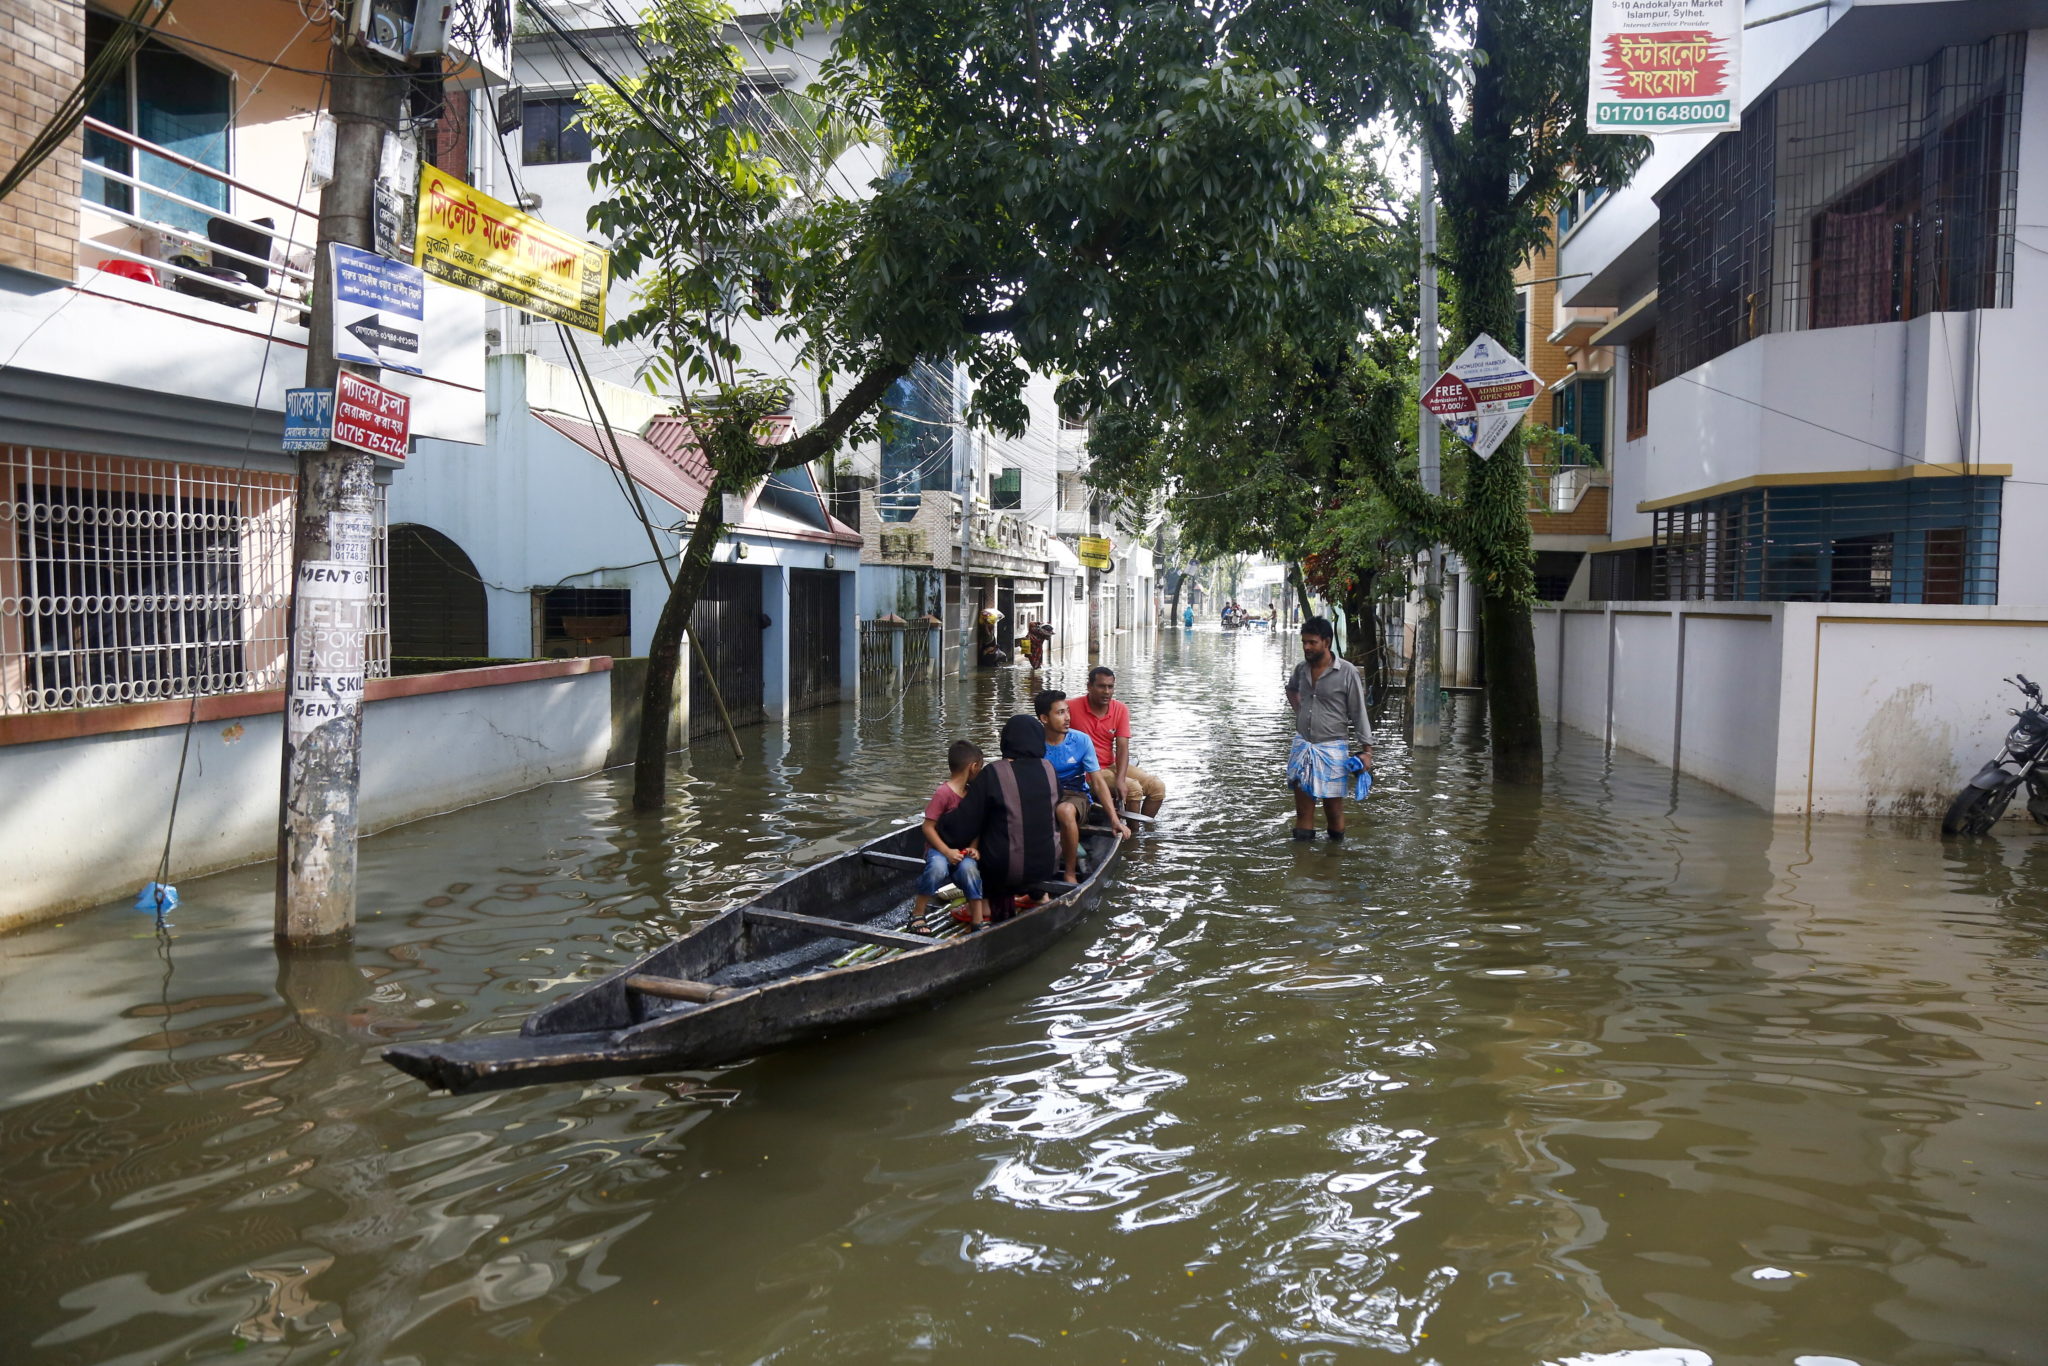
pixel 2023 760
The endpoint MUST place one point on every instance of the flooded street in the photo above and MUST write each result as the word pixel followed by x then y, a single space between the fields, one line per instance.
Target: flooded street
pixel 1507 1078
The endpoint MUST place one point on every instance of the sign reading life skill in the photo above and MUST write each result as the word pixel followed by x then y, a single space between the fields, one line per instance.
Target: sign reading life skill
pixel 477 243
pixel 1666 66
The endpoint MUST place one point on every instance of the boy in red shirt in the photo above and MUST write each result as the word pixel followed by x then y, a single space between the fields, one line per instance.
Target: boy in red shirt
pixel 942 863
pixel 1107 722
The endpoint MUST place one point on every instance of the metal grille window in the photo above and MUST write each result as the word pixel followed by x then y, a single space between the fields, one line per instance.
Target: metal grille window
pixel 127 580
pixel 1930 541
pixel 1872 198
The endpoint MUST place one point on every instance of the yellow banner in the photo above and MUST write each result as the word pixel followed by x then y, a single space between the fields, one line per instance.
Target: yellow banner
pixel 474 242
pixel 1093 552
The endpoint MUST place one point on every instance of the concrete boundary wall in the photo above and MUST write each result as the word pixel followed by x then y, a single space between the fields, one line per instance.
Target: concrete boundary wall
pixel 1801 708
pixel 85 799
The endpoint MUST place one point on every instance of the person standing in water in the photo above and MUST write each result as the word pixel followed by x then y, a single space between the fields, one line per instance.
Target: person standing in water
pixel 1328 697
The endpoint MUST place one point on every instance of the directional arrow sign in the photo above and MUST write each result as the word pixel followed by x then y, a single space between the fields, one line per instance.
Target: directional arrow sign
pixel 378 306
pixel 1483 395
pixel 380 336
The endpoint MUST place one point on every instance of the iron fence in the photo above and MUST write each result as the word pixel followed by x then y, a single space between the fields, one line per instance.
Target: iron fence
pixel 1928 541
pixel 878 647
pixel 1866 199
pixel 126 580
pixel 917 654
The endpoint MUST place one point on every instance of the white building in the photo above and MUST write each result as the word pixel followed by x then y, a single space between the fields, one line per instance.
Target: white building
pixel 1826 321
pixel 903 493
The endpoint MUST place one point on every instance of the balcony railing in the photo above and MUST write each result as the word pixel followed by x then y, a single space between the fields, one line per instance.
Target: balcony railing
pixel 1559 488
pixel 238 261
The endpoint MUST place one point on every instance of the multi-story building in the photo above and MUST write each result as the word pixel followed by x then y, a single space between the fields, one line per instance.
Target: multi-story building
pixel 908 493
pixel 1817 412
pixel 154 284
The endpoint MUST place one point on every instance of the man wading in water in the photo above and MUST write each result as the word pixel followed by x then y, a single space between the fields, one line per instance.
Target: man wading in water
pixel 1328 698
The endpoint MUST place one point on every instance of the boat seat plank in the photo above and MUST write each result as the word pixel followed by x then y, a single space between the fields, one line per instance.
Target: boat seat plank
pixel 676 988
pixel 900 860
pixel 837 929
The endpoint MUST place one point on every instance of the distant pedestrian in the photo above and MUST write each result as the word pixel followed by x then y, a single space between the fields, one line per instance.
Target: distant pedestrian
pixel 1328 697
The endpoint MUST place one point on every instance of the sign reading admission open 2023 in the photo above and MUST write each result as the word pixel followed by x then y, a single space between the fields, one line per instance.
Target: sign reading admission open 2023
pixel 480 244
pixel 1666 66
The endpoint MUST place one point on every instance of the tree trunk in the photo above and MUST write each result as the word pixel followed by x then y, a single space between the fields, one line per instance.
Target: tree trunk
pixel 1509 640
pixel 1300 581
pixel 1481 219
pixel 665 653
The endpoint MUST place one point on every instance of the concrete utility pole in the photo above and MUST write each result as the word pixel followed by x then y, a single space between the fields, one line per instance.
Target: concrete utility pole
pixel 316 829
pixel 1425 701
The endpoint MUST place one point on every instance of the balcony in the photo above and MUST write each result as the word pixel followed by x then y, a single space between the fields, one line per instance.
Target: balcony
pixel 259 261
pixel 1568 500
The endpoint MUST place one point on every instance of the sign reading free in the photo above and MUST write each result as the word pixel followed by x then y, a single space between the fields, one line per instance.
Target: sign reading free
pixel 370 417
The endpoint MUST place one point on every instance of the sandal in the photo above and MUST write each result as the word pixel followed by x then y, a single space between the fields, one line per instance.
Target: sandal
pixel 918 924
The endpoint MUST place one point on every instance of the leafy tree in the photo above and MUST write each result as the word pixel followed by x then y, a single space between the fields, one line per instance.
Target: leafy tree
pixel 1054 203
pixel 1496 89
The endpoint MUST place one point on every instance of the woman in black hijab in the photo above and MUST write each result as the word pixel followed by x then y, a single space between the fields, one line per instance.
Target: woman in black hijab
pixel 1008 814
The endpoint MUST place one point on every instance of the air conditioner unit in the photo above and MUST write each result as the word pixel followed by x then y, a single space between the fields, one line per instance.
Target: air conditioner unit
pixel 472 37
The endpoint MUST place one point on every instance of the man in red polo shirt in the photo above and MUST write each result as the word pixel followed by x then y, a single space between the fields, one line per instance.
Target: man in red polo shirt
pixel 1107 722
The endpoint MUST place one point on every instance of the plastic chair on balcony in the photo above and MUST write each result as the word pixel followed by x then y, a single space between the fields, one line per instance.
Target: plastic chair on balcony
pixel 235 237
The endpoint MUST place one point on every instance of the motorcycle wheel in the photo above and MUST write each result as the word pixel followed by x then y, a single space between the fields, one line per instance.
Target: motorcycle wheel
pixel 1976 809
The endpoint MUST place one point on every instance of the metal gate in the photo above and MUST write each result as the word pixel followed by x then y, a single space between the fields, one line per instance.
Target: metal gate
pixel 813 638
pixel 727 623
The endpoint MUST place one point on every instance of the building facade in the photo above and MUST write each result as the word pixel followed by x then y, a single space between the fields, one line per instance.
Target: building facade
pixel 1819 328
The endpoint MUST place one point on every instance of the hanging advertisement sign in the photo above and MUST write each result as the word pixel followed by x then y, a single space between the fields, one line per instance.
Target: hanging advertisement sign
pixel 1483 395
pixel 1093 552
pixel 308 419
pixel 1666 66
pixel 370 417
pixel 477 243
pixel 379 305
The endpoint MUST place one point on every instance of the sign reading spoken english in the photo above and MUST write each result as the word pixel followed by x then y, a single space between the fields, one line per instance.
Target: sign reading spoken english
pixel 488 247
pixel 1666 66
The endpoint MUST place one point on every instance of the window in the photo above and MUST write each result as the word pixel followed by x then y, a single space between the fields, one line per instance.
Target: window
pixel 1520 344
pixel 1642 367
pixel 1073 495
pixel 1868 199
pixel 1916 541
pixel 1575 206
pixel 580 622
pixel 125 580
pixel 1580 410
pixel 1006 490
pixel 550 134
pixel 165 97
pixel 1918 236
pixel 917 440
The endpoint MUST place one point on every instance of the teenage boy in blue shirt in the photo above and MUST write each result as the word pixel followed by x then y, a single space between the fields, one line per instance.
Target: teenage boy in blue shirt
pixel 1072 756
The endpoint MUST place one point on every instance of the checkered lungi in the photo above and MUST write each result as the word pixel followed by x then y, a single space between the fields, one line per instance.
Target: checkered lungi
pixel 1318 769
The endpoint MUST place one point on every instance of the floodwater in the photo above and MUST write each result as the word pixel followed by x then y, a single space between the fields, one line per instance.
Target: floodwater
pixel 1622 1074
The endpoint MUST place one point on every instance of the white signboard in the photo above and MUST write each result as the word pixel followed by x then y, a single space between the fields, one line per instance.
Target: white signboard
pixel 330 644
pixel 1484 394
pixel 1665 66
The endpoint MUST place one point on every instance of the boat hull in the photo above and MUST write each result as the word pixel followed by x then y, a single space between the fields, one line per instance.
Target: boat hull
pixel 607 1029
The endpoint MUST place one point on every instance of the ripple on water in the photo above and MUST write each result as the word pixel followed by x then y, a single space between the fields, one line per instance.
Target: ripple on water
pixel 1316 1101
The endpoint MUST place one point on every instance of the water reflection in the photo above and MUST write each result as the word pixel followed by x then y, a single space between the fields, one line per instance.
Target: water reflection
pixel 1622 1074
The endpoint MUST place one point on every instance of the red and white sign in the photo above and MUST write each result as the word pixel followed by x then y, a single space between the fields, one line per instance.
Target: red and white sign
pixel 370 417
pixel 1666 66
pixel 1483 395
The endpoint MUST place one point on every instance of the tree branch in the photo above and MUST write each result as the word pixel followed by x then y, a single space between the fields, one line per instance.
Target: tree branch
pixel 822 439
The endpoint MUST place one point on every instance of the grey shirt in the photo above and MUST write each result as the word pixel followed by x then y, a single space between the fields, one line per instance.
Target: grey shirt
pixel 1325 708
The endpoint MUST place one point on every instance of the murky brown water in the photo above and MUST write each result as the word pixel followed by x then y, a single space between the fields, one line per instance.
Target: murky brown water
pixel 1506 1079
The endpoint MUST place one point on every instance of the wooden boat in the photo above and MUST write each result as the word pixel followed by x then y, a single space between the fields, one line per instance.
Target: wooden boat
pixel 767 973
